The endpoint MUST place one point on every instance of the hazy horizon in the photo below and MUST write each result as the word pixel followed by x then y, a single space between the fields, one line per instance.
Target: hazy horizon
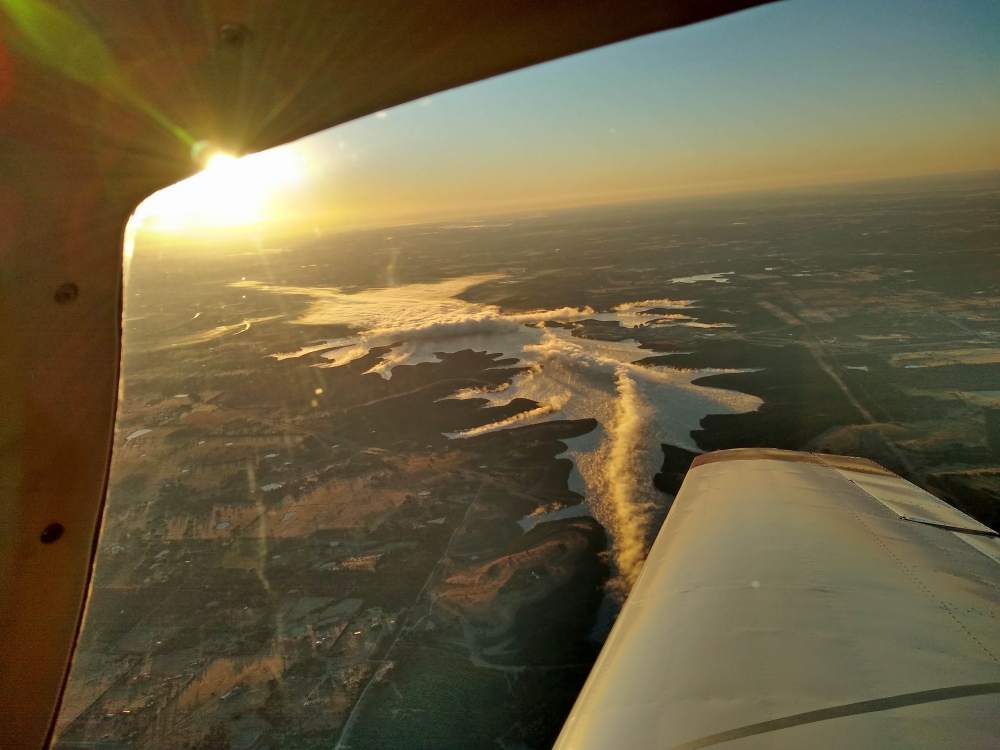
pixel 278 232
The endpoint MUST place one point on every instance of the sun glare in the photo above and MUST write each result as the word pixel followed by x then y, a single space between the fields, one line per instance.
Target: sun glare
pixel 219 161
pixel 229 192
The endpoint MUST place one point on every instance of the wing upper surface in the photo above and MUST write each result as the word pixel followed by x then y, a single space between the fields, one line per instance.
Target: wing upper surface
pixel 787 602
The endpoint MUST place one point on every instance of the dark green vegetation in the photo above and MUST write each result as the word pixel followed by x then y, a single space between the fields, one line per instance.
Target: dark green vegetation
pixel 295 556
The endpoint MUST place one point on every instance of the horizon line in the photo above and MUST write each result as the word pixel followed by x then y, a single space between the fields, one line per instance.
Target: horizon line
pixel 301 226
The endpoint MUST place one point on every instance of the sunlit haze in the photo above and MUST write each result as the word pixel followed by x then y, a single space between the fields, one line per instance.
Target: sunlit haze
pixel 797 93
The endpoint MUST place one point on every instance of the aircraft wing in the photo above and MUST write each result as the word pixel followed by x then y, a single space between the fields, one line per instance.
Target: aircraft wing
pixel 802 600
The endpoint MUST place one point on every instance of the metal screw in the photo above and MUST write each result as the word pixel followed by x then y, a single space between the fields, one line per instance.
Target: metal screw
pixel 233 34
pixel 66 293
pixel 52 533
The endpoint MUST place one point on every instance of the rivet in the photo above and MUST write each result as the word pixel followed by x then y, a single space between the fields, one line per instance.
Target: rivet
pixel 233 34
pixel 66 293
pixel 52 533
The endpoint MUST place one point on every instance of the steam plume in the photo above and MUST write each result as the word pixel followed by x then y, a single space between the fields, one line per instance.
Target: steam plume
pixel 625 479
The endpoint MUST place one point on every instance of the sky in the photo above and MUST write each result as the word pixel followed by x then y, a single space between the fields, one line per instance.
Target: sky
pixel 801 92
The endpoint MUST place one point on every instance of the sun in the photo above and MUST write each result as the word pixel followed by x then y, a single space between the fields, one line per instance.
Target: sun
pixel 230 191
